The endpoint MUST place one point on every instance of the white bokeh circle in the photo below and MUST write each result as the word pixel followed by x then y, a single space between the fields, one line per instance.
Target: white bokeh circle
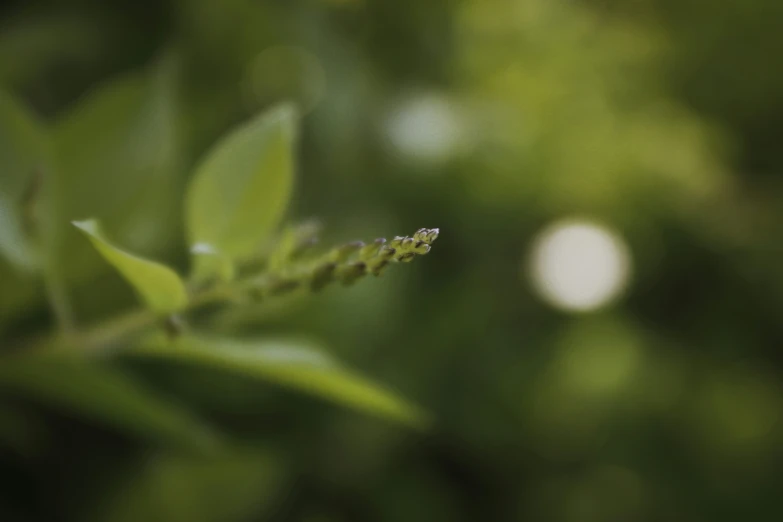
pixel 424 128
pixel 578 265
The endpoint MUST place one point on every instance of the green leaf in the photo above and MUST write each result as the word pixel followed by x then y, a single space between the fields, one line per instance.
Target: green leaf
pixel 240 191
pixel 117 153
pixel 289 365
pixel 100 392
pixel 159 286
pixel 23 154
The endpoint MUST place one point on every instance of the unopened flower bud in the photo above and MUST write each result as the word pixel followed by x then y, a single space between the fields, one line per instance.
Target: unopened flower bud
pixel 372 249
pixel 342 253
pixel 421 248
pixel 387 252
pixel 432 235
pixel 408 243
pixel 397 242
pixel 322 276
pixel 348 274
pixel 377 268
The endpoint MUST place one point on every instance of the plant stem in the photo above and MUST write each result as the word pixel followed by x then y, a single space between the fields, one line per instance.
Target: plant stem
pixel 116 329
pixel 140 320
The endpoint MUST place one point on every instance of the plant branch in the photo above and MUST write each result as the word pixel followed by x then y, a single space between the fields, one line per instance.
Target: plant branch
pixel 344 264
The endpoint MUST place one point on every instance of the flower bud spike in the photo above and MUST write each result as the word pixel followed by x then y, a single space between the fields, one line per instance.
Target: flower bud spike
pixel 295 264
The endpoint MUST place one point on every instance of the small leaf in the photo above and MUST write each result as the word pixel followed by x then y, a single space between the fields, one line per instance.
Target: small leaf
pixel 160 287
pixel 240 191
pixel 288 365
pixel 100 392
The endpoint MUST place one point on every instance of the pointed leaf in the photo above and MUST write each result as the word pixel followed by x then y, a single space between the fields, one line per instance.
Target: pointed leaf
pixel 160 287
pixel 292 366
pixel 240 191
pixel 99 392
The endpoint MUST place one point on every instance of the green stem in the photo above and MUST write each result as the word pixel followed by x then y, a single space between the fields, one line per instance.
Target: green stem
pixel 313 271
pixel 139 320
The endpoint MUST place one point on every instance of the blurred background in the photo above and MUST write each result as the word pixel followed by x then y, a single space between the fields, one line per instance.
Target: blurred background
pixel 596 333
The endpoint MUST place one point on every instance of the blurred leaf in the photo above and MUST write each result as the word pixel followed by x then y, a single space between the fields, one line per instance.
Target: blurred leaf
pixel 23 152
pixel 101 393
pixel 240 191
pixel 291 366
pixel 117 154
pixel 227 486
pixel 160 287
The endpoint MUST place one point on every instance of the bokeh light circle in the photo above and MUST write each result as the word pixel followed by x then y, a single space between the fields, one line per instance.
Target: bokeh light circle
pixel 578 265
pixel 424 128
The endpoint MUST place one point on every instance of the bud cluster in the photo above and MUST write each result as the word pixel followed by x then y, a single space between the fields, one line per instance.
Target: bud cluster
pixel 345 264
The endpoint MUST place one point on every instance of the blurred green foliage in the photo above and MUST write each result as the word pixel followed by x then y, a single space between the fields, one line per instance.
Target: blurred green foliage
pixel 491 119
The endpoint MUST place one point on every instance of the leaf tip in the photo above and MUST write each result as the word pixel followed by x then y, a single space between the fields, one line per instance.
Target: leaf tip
pixel 284 115
pixel 89 226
